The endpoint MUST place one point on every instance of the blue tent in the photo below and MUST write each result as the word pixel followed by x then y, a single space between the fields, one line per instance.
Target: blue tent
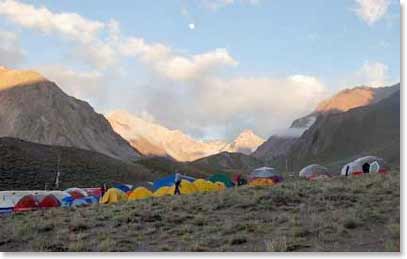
pixel 66 202
pixel 91 199
pixel 6 210
pixel 123 187
pixel 79 203
pixel 85 201
pixel 169 181
pixel 166 181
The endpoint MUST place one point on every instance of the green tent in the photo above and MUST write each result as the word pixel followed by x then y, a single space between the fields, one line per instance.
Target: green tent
pixel 221 178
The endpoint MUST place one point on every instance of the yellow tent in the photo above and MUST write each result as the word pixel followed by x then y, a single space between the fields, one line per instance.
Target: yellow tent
pixel 185 187
pixel 139 193
pixel 204 186
pixel 262 182
pixel 113 195
pixel 162 191
pixel 220 186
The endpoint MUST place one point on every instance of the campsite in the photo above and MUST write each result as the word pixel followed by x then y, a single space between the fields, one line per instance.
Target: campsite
pixel 201 126
pixel 343 214
pixel 15 201
pixel 269 213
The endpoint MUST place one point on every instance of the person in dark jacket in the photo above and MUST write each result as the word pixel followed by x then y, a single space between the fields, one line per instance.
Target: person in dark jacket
pixel 177 182
pixel 366 168
pixel 347 170
pixel 239 180
pixel 102 190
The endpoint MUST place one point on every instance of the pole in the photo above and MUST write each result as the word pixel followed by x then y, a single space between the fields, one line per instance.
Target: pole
pixel 286 165
pixel 58 172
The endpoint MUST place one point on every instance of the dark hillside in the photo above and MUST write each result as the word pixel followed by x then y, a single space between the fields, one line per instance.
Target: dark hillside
pixel 26 165
pixel 224 162
pixel 369 130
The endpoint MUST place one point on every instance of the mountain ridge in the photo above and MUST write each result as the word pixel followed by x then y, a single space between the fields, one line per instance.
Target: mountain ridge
pixel 343 101
pixel 367 130
pixel 152 139
pixel 35 109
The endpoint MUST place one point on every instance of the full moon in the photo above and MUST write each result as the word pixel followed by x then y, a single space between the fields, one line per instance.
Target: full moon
pixel 191 26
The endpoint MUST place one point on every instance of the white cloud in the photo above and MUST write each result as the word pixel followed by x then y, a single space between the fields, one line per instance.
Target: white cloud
pixel 218 4
pixel 89 46
pixel 374 74
pixel 371 11
pixel 231 105
pixel 102 53
pixel 10 51
pixel 290 132
pixel 174 66
pixel 274 97
pixel 90 86
pixel 369 73
pixel 194 67
pixel 209 101
pixel 69 25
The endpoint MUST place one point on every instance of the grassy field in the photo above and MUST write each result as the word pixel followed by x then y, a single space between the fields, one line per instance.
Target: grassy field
pixel 340 214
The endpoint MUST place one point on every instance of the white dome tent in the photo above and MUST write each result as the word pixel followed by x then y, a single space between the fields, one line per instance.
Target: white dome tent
pixel 365 165
pixel 314 171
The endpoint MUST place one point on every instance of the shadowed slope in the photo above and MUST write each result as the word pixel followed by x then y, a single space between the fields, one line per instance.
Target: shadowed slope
pixel 27 166
pixel 37 110
pixel 370 130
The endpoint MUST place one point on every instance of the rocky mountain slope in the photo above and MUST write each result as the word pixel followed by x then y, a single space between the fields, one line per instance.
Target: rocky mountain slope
pixel 152 139
pixel 279 145
pixel 274 147
pixel 355 97
pixel 37 110
pixel 369 130
pixel 29 166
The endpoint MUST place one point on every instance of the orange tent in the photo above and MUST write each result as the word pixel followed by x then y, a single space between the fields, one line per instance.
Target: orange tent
pixel 262 182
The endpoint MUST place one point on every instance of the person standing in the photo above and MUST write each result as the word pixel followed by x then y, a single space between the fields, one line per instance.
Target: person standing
pixel 177 182
pixel 366 168
pixel 102 190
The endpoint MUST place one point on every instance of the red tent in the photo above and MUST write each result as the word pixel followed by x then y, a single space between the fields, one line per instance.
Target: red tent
pixel 26 203
pixel 76 194
pixel 97 192
pixel 49 201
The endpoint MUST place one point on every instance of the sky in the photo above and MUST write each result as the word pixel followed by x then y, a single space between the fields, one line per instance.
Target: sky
pixel 210 68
